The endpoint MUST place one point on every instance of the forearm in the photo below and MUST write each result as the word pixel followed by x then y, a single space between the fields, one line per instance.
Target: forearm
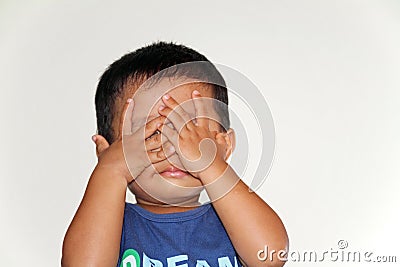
pixel 250 223
pixel 93 237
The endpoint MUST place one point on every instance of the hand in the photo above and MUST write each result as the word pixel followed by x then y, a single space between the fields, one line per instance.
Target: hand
pixel 194 142
pixel 130 155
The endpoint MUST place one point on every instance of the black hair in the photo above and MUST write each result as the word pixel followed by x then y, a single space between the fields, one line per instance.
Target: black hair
pixel 143 63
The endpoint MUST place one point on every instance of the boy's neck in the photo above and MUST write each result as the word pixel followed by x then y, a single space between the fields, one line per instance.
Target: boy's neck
pixel 165 208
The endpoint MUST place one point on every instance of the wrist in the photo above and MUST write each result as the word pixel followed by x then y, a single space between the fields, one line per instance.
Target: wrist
pixel 111 173
pixel 219 180
pixel 213 172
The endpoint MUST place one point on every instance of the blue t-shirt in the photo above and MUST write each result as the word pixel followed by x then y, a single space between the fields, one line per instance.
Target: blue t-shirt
pixel 194 238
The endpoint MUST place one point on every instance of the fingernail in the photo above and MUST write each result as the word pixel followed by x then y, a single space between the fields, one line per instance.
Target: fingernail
pixel 94 138
pixel 129 100
pixel 196 92
pixel 161 107
pixel 166 96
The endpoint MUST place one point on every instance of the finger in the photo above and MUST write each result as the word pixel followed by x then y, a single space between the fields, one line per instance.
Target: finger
pixel 101 144
pixel 154 142
pixel 180 116
pixel 200 108
pixel 164 153
pixel 169 133
pixel 173 117
pixel 152 126
pixel 126 118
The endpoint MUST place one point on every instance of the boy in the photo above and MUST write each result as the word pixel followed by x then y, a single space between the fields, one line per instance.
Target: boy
pixel 167 154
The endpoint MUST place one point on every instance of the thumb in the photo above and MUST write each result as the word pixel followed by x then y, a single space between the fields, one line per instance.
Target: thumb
pixel 101 144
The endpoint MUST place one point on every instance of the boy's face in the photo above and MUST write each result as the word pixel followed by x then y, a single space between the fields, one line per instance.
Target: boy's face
pixel 167 181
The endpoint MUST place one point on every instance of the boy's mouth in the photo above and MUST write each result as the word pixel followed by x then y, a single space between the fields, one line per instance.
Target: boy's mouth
pixel 173 172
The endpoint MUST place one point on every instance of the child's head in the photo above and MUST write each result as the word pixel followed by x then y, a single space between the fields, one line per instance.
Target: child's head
pixel 121 81
pixel 124 76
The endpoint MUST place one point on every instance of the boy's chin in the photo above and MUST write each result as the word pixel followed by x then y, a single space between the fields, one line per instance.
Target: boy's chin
pixel 177 189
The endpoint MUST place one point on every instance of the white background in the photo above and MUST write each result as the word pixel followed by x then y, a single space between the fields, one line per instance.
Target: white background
pixel 330 71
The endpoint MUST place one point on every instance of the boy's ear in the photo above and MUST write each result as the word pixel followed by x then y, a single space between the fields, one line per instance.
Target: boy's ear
pixel 230 142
